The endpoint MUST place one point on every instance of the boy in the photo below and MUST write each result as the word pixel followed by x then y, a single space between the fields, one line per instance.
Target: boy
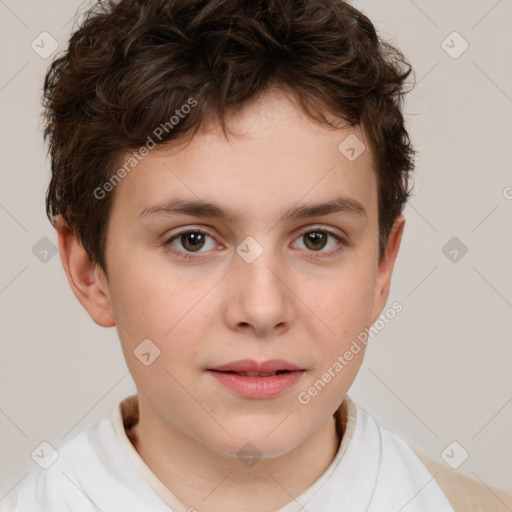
pixel 227 185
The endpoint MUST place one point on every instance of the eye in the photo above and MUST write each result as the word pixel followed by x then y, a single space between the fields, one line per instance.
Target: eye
pixel 191 241
pixel 315 240
pixel 195 241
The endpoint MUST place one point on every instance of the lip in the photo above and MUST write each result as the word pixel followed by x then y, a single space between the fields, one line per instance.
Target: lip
pixel 249 365
pixel 257 386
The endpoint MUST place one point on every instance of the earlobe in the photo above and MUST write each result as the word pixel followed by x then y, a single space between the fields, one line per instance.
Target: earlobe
pixel 87 280
pixel 385 268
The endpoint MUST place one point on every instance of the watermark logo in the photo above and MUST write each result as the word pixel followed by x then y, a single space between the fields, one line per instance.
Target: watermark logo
pixel 454 455
pixel 454 249
pixel 351 147
pixel 249 249
pixel 454 45
pixel 44 45
pixel 249 455
pixel 44 455
pixel 44 250
pixel 146 352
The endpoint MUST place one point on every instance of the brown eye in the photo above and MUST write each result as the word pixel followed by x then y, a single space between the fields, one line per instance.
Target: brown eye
pixel 315 240
pixel 321 241
pixel 189 242
pixel 192 241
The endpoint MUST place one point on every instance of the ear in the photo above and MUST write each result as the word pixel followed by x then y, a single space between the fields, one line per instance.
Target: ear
pixel 86 278
pixel 385 269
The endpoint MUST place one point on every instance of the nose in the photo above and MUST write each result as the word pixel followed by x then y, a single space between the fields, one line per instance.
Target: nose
pixel 260 299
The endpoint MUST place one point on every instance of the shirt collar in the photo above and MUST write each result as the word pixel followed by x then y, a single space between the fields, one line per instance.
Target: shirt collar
pixel 126 415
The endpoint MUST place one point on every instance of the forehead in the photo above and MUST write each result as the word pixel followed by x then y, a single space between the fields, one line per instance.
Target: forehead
pixel 273 158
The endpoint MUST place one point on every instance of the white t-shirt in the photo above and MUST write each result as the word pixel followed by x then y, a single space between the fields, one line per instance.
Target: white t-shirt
pixel 100 470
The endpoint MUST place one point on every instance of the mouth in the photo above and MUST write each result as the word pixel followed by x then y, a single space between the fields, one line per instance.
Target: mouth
pixel 250 379
pixel 252 368
pixel 254 374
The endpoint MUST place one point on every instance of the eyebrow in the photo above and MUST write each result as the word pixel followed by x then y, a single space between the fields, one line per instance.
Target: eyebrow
pixel 200 208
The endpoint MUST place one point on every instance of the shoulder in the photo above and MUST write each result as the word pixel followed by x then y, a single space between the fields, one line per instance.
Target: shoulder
pixel 466 494
pixel 57 484
pixel 92 472
pixel 383 463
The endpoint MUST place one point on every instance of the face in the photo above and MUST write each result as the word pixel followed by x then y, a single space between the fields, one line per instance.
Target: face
pixel 254 276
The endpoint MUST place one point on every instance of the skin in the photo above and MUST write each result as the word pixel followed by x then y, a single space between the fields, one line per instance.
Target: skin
pixel 301 302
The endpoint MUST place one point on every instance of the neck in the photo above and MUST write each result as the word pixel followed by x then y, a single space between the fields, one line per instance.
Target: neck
pixel 209 481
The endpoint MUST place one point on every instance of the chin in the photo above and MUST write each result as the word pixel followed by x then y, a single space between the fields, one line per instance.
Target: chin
pixel 249 440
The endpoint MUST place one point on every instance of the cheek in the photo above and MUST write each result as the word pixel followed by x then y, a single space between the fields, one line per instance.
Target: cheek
pixel 343 301
pixel 161 306
pixel 151 300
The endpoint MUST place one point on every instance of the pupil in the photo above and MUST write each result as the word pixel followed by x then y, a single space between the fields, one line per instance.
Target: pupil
pixel 190 240
pixel 315 237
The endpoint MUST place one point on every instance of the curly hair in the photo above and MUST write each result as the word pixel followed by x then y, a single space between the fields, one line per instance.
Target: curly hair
pixel 131 64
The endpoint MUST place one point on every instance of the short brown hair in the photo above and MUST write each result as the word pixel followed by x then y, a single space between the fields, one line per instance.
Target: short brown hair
pixel 132 64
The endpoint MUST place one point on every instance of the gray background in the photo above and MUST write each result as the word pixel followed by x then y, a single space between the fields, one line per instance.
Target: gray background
pixel 439 372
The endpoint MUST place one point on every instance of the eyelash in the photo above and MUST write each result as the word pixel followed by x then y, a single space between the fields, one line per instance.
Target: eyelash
pixel 188 256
